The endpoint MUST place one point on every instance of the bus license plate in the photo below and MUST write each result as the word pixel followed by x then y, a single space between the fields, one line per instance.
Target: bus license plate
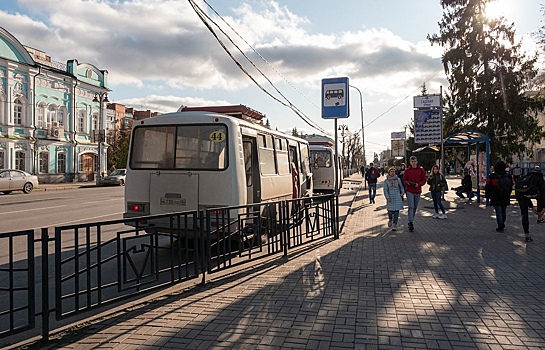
pixel 177 202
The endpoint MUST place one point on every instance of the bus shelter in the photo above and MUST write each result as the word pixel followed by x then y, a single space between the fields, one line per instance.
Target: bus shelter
pixel 470 139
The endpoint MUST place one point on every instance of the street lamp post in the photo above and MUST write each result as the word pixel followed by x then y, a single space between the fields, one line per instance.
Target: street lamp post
pixel 342 129
pixel 100 98
pixel 362 127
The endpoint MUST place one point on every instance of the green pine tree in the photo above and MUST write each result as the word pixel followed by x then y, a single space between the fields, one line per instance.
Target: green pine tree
pixel 488 77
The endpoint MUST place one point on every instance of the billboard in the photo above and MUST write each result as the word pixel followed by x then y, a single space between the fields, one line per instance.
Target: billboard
pixel 427 126
pixel 398 148
pixel 427 101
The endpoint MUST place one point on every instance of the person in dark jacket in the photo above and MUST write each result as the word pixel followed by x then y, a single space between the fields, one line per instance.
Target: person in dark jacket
pixel 466 187
pixel 437 183
pixel 525 203
pixel 499 196
pixel 371 176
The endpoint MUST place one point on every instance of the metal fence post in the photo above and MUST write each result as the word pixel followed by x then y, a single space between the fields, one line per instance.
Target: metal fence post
pixel 45 283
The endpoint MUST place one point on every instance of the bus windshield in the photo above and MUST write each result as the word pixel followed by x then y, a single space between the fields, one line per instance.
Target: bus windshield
pixel 186 147
pixel 321 158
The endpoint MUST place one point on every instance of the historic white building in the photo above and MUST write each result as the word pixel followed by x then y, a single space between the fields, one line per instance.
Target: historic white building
pixel 51 114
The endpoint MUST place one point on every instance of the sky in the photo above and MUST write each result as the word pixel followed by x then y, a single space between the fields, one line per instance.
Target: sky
pixel 159 55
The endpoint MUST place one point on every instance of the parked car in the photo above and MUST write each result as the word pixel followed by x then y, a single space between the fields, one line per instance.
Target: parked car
pixel 116 177
pixel 17 180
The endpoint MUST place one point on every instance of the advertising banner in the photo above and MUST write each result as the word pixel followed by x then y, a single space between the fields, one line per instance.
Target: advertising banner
pixel 398 148
pixel 427 126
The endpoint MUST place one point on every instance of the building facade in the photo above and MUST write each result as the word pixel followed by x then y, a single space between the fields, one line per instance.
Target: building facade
pixel 50 114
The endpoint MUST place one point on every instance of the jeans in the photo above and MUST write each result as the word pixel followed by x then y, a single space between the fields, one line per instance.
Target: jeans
pixel 412 202
pixel 501 215
pixel 436 196
pixel 460 193
pixel 524 204
pixel 393 215
pixel 372 191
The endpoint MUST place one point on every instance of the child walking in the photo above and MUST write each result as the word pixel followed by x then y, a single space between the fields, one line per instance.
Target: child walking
pixel 393 191
pixel 437 183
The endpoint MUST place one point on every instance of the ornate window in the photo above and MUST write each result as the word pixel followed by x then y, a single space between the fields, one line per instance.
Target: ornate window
pixel 60 115
pixel 17 112
pixel 95 122
pixel 52 115
pixel 81 121
pixel 61 163
pixel 43 162
pixel 40 122
pixel 20 160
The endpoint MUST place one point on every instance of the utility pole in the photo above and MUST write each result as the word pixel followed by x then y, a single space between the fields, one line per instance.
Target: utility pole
pixel 100 98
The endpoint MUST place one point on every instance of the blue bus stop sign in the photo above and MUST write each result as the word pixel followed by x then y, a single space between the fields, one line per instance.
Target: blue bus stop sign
pixel 335 98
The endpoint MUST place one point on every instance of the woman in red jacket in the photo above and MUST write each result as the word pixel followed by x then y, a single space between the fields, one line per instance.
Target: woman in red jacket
pixel 414 178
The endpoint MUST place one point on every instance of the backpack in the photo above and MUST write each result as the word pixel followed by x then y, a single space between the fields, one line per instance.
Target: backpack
pixel 504 186
pixel 526 186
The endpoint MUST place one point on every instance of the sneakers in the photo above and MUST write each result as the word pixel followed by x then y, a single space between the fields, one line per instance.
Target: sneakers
pixel 528 239
pixel 499 229
pixel 442 216
pixel 394 227
pixel 435 216
pixel 411 227
pixel 540 221
pixel 390 223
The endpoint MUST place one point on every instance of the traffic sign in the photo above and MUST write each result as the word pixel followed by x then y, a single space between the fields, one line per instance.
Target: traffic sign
pixel 335 101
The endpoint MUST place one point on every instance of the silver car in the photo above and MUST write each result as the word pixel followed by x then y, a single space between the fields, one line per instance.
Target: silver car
pixel 117 177
pixel 17 180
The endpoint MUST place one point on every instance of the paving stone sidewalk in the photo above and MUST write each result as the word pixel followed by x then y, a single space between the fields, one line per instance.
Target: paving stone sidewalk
pixel 450 284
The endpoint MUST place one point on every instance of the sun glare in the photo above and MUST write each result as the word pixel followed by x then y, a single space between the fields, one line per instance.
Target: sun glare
pixel 497 8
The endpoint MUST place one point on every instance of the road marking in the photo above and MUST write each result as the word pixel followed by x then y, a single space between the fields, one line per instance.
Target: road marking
pixel 74 221
pixel 21 211
pixel 103 200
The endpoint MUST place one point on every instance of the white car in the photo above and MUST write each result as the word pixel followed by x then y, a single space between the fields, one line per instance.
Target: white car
pixel 17 180
pixel 117 177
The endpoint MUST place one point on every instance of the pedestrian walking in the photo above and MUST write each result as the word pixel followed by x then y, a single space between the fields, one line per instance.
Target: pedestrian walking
pixel 413 179
pixel 371 176
pixel 498 188
pixel 400 172
pixel 536 185
pixel 393 191
pixel 517 172
pixel 437 183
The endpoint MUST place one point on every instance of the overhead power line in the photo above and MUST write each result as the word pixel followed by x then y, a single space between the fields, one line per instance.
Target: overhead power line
pixel 206 19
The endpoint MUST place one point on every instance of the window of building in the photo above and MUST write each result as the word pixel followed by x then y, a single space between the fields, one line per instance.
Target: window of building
pixel 81 121
pixel 20 160
pixel 40 123
pixel 95 122
pixel 52 115
pixel 2 159
pixel 18 112
pixel 60 116
pixel 61 163
pixel 43 163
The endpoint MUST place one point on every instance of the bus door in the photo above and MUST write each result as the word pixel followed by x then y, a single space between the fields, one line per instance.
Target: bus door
pixel 251 168
pixel 294 158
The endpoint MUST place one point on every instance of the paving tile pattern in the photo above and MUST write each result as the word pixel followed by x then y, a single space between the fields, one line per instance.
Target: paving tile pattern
pixel 450 284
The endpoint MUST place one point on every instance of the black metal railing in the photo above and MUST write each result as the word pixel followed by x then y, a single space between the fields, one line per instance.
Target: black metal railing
pixel 104 263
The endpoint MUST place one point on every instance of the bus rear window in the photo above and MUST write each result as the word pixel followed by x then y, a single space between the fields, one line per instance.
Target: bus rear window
pixel 321 158
pixel 191 147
